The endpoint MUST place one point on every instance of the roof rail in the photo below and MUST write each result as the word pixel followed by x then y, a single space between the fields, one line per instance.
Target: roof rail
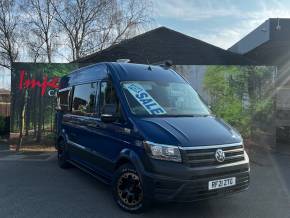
pixel 123 60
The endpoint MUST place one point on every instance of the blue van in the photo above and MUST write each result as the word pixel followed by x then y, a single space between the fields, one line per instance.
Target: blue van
pixel 146 132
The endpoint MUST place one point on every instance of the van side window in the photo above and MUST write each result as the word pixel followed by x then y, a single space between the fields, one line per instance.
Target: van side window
pixel 108 97
pixel 84 99
pixel 63 99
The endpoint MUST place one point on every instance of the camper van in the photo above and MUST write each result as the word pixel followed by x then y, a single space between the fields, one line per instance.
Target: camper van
pixel 146 132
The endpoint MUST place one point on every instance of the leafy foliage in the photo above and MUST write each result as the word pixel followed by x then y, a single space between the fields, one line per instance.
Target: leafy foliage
pixel 241 95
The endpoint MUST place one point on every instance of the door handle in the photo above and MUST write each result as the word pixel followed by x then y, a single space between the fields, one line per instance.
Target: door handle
pixel 93 126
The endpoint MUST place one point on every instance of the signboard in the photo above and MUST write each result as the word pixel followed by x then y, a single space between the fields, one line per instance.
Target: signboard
pixel 33 90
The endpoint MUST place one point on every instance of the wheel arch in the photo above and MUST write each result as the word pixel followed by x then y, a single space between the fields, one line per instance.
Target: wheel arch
pixel 129 156
pixel 60 138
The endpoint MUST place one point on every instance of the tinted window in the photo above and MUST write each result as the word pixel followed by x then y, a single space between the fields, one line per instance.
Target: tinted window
pixel 108 96
pixel 63 100
pixel 84 99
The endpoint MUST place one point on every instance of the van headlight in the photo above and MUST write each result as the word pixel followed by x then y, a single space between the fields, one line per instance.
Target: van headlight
pixel 162 152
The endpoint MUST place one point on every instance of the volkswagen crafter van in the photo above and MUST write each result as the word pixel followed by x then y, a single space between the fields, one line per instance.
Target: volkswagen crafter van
pixel 145 131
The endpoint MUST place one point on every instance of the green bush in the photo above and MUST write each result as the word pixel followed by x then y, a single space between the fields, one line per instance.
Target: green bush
pixel 2 124
pixel 228 86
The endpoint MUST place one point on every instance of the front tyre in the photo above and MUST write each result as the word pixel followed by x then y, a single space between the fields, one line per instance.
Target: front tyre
pixel 128 190
pixel 62 155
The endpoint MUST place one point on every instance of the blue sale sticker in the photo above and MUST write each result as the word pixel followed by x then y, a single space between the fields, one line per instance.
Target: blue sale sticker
pixel 144 98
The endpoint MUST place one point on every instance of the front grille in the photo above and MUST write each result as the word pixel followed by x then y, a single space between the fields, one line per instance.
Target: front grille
pixel 206 156
pixel 197 189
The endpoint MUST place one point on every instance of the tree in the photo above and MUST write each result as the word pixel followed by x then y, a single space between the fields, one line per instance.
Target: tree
pixel 122 21
pixel 42 28
pixel 9 36
pixel 23 106
pixel 91 25
pixel 239 95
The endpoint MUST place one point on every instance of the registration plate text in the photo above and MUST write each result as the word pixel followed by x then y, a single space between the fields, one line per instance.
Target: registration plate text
pixel 221 183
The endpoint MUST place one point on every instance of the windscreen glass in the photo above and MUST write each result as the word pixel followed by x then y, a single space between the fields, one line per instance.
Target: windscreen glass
pixel 154 98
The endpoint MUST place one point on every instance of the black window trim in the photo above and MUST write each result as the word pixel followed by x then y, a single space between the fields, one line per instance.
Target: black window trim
pixel 121 107
pixel 97 114
pixel 69 98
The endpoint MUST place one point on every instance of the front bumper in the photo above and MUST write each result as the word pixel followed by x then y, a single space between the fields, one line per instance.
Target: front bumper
pixel 195 186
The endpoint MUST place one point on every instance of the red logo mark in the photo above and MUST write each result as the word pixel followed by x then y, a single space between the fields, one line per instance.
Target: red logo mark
pixel 32 83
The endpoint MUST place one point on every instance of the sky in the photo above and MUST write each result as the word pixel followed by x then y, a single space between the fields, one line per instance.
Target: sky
pixel 4 79
pixel 218 22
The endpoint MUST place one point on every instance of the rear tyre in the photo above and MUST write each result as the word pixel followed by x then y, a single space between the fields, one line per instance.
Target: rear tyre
pixel 128 190
pixel 63 155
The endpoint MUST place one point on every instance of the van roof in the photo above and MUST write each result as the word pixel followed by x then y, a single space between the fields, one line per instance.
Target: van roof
pixel 120 72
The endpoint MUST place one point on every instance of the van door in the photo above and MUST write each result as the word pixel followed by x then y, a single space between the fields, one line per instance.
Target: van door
pixel 83 112
pixel 110 138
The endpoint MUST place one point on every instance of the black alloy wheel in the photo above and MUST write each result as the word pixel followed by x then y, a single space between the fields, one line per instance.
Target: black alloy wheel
pixel 128 189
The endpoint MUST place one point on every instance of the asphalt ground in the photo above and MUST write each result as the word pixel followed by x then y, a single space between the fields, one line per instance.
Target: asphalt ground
pixel 34 186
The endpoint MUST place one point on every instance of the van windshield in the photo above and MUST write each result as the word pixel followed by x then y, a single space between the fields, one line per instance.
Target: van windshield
pixel 153 98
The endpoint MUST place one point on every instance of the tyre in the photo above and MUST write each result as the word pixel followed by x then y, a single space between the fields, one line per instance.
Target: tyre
pixel 128 190
pixel 63 155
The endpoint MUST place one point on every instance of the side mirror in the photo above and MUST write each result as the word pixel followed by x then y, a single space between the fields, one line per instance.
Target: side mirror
pixel 108 113
pixel 108 118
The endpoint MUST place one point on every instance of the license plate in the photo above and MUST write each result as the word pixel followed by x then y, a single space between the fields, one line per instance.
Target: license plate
pixel 221 183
